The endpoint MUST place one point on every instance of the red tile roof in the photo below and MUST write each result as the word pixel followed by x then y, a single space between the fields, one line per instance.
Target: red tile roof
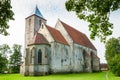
pixel 57 35
pixel 78 37
pixel 39 39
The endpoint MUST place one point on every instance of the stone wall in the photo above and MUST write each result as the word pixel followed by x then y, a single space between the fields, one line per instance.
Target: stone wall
pixel 60 58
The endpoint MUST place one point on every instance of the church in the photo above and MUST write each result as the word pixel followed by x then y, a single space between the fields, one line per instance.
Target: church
pixel 59 49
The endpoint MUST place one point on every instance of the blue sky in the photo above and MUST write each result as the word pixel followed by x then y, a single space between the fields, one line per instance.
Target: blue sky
pixel 52 10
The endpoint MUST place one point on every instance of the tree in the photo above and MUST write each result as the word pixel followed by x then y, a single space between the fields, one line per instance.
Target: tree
pixel 3 63
pixel 15 59
pixel 4 51
pixel 6 14
pixel 97 13
pixel 112 55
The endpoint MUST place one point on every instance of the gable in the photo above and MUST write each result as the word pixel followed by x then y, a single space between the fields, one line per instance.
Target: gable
pixel 63 31
pixel 44 31
pixel 78 37
pixel 57 35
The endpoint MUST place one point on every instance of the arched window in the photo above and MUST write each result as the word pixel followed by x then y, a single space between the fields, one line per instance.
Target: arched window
pixel 84 52
pixel 91 54
pixel 39 56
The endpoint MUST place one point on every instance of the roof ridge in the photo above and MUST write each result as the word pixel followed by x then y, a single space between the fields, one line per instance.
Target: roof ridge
pixel 52 28
pixel 71 27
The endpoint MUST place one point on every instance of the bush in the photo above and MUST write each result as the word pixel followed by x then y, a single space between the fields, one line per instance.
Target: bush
pixel 115 65
pixel 113 55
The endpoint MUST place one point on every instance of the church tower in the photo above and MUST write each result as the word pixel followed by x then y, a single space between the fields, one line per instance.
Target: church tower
pixel 33 23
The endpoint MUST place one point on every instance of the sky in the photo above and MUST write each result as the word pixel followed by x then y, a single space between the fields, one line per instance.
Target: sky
pixel 52 10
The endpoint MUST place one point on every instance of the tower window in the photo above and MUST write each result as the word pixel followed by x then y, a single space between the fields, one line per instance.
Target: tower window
pixel 29 22
pixel 42 26
pixel 39 56
pixel 40 22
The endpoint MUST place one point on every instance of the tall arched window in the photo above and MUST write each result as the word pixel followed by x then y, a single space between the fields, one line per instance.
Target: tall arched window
pixel 91 54
pixel 39 56
pixel 84 55
pixel 84 58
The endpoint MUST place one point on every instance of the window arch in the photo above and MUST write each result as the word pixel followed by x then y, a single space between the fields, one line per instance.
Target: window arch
pixel 39 56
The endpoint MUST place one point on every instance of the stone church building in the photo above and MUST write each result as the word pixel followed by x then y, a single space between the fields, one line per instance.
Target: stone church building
pixel 61 49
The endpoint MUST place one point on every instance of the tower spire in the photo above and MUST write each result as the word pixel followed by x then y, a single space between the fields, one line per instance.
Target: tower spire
pixel 37 12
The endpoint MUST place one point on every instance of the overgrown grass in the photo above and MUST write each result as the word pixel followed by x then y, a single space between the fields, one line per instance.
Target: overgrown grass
pixel 80 76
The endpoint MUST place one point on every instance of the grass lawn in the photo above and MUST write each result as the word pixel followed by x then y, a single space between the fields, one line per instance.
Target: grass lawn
pixel 80 76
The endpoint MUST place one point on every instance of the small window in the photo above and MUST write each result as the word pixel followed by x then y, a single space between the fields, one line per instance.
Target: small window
pixel 29 22
pixel 42 26
pixel 40 22
pixel 39 56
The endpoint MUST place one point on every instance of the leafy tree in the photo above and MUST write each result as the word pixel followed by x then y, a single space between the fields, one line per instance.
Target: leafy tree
pixel 112 55
pixel 15 59
pixel 6 14
pixel 4 51
pixel 3 63
pixel 97 13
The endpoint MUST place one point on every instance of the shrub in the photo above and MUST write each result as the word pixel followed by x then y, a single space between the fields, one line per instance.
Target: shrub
pixel 113 55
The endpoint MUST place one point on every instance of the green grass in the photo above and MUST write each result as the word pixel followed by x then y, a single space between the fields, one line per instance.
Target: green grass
pixel 80 76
